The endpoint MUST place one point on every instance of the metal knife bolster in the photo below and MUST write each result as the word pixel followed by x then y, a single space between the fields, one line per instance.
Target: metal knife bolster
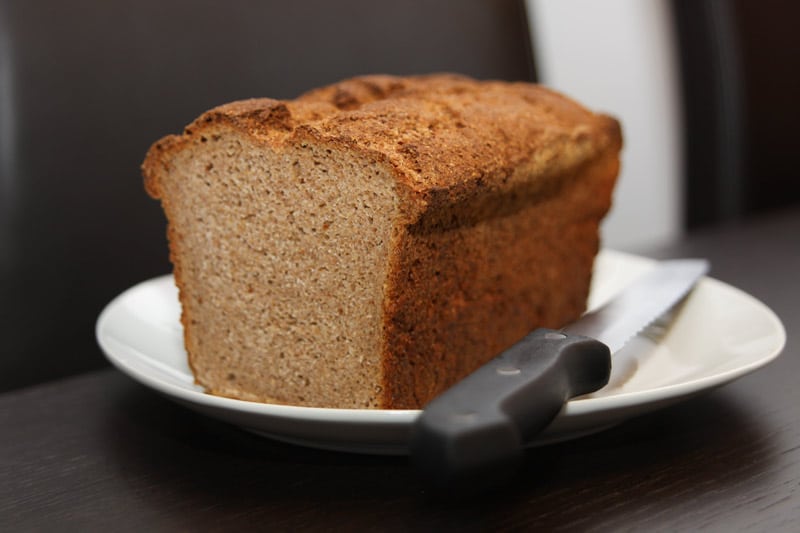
pixel 476 430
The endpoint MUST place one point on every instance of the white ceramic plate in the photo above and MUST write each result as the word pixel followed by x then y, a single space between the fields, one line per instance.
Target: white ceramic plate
pixel 719 334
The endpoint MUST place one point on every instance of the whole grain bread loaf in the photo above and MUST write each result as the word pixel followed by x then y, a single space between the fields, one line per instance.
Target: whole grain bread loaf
pixel 371 242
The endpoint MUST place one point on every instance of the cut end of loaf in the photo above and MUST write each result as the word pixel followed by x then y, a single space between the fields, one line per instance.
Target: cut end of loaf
pixel 281 257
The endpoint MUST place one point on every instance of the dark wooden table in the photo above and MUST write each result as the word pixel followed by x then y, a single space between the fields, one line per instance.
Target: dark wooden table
pixel 99 451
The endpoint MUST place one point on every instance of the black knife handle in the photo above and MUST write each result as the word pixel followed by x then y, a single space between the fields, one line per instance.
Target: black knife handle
pixel 475 431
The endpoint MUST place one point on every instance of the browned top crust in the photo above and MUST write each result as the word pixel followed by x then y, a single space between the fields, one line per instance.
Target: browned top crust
pixel 443 133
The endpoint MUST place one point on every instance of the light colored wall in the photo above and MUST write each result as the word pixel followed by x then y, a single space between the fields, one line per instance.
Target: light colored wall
pixel 618 56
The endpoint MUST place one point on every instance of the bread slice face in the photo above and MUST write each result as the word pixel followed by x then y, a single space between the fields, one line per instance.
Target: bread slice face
pixel 371 242
pixel 281 257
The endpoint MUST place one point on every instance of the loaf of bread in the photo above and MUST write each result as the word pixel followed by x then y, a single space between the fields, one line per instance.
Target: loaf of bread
pixel 369 243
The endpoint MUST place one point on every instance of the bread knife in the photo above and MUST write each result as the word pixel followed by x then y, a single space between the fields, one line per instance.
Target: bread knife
pixel 475 432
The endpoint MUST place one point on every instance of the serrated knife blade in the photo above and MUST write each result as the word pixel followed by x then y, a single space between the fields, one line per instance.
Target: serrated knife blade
pixel 473 434
pixel 640 303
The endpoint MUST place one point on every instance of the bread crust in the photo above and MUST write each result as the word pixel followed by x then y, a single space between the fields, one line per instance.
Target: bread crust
pixel 501 188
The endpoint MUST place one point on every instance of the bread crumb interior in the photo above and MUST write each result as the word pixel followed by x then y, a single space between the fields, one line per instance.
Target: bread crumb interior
pixel 283 254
